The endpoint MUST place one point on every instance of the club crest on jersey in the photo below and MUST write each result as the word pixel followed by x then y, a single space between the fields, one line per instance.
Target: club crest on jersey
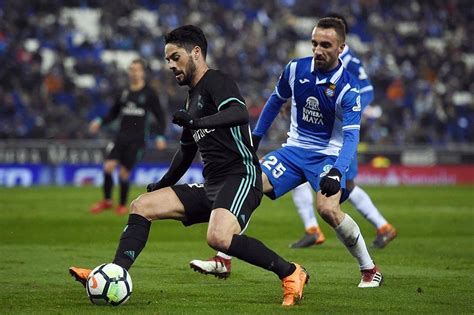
pixel 200 104
pixel 141 99
pixel 330 91
pixel 311 111
pixel 124 96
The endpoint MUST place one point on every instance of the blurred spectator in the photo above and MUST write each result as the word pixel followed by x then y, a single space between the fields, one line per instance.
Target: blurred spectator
pixel 58 71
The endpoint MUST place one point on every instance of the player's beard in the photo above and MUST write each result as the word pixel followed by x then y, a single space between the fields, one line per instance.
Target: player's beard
pixel 325 65
pixel 189 72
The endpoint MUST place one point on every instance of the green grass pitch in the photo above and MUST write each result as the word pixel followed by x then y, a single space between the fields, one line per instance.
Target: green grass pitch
pixel 428 268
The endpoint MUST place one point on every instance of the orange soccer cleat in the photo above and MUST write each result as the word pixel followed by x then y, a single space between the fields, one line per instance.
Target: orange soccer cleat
pixel 80 274
pixel 293 286
pixel 385 235
pixel 312 236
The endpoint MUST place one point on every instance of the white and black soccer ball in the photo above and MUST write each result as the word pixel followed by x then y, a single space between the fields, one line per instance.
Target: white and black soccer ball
pixel 109 284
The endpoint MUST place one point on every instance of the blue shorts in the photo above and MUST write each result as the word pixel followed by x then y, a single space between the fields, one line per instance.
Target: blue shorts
pixel 289 167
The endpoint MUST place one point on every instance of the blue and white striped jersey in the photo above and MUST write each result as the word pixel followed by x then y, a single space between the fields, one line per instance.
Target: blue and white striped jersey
pixel 356 68
pixel 325 110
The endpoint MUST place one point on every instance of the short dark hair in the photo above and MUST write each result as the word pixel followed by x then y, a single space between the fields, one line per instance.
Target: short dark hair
pixel 140 62
pixel 340 17
pixel 188 36
pixel 336 24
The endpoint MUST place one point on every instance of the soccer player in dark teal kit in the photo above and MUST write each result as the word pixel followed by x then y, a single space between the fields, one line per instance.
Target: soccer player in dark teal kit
pixel 215 122
pixel 131 108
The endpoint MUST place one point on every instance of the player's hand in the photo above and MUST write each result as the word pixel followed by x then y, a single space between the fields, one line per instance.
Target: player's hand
pixel 182 118
pixel 330 184
pixel 256 141
pixel 153 186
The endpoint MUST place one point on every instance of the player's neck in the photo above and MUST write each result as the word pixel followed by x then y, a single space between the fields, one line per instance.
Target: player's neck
pixel 137 86
pixel 200 71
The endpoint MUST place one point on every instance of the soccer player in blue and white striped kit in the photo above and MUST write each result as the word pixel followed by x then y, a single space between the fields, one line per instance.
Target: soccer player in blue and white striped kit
pixel 303 196
pixel 323 138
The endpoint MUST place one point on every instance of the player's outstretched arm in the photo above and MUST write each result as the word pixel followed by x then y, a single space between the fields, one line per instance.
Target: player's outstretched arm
pixel 231 116
pixel 179 165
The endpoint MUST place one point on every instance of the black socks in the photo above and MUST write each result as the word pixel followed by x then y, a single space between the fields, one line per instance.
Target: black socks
pixel 132 241
pixel 124 186
pixel 256 253
pixel 108 184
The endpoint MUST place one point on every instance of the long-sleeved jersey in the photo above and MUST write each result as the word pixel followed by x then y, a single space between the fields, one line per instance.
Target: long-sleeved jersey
pixel 325 110
pixel 133 107
pixel 356 68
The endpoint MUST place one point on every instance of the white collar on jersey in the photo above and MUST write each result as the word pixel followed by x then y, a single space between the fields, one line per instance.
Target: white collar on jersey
pixel 335 77
pixel 344 51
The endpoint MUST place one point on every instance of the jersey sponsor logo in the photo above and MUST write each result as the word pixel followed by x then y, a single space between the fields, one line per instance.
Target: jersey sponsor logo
pixel 312 112
pixel 357 107
pixel 303 81
pixel 201 133
pixel 131 109
pixel 196 185
pixel 330 91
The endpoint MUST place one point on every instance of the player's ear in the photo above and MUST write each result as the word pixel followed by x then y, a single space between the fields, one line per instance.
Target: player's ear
pixel 341 48
pixel 196 51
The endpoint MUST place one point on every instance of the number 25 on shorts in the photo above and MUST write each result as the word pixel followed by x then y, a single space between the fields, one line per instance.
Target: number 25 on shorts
pixel 272 164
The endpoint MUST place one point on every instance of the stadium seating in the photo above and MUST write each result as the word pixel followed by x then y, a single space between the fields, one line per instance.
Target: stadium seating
pixel 64 64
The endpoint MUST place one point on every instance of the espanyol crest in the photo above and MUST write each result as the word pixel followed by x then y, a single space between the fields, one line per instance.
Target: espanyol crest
pixel 330 90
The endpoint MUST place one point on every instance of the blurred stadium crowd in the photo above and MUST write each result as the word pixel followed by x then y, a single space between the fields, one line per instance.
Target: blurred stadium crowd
pixel 64 61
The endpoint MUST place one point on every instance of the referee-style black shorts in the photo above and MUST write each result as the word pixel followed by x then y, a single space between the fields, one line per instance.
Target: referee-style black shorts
pixel 235 193
pixel 126 153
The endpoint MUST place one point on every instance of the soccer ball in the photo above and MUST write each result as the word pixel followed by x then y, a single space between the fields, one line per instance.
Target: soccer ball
pixel 109 284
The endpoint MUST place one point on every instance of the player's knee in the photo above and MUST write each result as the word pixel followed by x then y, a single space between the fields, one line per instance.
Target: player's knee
pixel 329 212
pixel 218 240
pixel 109 167
pixel 139 206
